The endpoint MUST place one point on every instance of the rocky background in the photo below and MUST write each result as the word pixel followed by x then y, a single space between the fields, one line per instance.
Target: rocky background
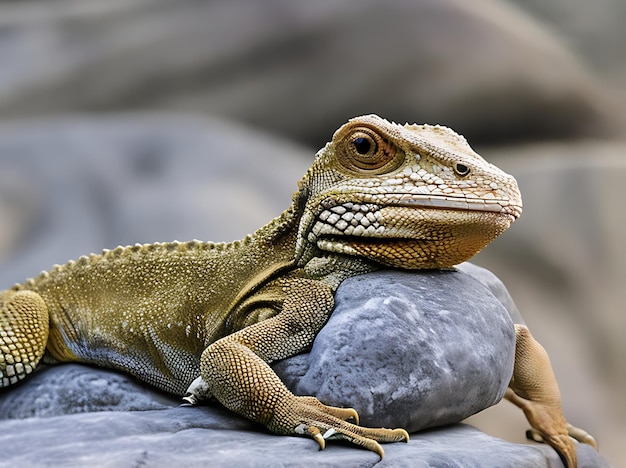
pixel 141 120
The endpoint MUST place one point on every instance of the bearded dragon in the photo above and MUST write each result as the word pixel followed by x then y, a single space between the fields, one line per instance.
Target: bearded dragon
pixel 205 319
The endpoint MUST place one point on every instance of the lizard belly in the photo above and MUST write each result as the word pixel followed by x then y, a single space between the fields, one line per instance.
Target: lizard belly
pixel 162 353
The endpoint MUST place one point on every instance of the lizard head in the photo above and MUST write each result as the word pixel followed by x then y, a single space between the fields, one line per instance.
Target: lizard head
pixel 408 196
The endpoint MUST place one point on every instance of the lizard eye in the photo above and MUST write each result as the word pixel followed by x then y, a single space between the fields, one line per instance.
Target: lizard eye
pixel 461 169
pixel 363 150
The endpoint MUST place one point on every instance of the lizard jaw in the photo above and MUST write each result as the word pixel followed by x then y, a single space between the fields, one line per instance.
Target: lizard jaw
pixel 411 238
pixel 416 254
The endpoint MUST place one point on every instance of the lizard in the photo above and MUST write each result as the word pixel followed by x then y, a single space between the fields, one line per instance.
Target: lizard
pixel 205 319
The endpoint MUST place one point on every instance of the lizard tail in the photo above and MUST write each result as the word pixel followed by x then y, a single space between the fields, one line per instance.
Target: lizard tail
pixel 23 334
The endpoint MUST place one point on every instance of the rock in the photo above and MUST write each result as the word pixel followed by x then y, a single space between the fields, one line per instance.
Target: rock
pixel 75 388
pixel 72 186
pixel 300 69
pixel 598 39
pixel 195 437
pixel 396 344
pixel 495 286
pixel 397 339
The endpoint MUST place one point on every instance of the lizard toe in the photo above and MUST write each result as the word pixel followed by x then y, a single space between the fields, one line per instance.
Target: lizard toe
pixel 563 444
pixel 339 434
pixel 341 413
pixel 312 432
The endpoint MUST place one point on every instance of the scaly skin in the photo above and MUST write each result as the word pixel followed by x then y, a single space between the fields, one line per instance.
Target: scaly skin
pixel 208 318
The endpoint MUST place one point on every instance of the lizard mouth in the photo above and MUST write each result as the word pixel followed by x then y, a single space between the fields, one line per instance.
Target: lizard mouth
pixel 443 202
pixel 412 234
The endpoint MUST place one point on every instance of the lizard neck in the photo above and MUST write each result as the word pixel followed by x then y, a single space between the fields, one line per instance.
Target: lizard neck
pixel 277 239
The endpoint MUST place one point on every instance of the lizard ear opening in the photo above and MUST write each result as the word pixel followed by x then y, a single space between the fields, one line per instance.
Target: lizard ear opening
pixel 364 151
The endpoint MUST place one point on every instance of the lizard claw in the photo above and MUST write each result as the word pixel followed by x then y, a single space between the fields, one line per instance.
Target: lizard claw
pixel 313 432
pixel 332 433
pixel 581 436
pixel 322 423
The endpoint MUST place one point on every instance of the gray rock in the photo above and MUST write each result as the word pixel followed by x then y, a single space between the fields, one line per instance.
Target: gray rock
pixel 197 437
pixel 411 350
pixel 495 286
pixel 72 186
pixel 75 388
pixel 301 68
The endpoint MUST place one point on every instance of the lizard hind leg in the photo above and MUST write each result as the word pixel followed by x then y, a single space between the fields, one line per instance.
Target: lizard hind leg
pixel 24 329
pixel 534 389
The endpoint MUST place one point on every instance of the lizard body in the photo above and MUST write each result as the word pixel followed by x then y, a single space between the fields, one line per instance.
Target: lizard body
pixel 208 317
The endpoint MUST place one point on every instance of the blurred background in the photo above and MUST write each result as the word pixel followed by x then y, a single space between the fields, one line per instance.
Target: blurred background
pixel 149 120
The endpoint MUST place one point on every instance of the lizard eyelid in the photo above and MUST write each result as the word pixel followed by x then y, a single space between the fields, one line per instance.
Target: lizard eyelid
pixel 364 151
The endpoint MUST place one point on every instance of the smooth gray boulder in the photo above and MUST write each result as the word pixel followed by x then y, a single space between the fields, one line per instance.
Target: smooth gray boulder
pixel 410 350
pixel 201 437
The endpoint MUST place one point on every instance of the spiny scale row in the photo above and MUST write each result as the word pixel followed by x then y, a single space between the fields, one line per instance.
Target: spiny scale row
pixel 120 251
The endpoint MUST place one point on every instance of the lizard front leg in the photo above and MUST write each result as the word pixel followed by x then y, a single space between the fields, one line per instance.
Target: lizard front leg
pixel 23 334
pixel 236 373
pixel 534 389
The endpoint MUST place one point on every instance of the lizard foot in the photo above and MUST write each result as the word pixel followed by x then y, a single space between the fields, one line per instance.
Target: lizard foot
pixel 547 426
pixel 533 388
pixel 308 416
